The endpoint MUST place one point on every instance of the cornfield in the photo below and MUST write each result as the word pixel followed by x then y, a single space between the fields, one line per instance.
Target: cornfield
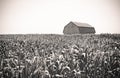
pixel 60 56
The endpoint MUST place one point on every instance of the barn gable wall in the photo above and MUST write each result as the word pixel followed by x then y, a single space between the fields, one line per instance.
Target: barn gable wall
pixel 71 29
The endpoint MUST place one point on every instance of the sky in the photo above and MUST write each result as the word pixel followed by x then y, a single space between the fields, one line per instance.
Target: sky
pixel 50 16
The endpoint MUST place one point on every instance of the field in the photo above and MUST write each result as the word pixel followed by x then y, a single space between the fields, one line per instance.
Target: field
pixel 60 56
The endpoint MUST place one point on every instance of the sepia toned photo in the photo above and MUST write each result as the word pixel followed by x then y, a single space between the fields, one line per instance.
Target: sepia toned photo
pixel 59 38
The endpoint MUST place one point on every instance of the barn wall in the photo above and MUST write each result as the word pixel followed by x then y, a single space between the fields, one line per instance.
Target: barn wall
pixel 86 30
pixel 71 29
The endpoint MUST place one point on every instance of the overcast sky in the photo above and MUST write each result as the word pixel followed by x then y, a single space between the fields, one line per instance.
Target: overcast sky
pixel 50 16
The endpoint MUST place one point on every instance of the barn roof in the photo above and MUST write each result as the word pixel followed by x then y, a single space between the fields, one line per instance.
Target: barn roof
pixel 81 24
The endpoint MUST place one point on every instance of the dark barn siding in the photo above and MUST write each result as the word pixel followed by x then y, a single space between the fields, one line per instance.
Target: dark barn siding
pixel 85 30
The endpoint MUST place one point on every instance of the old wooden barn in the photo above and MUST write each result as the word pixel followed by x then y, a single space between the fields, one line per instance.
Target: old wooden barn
pixel 78 28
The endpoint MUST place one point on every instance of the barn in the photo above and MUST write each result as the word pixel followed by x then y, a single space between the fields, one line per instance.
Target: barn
pixel 78 28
